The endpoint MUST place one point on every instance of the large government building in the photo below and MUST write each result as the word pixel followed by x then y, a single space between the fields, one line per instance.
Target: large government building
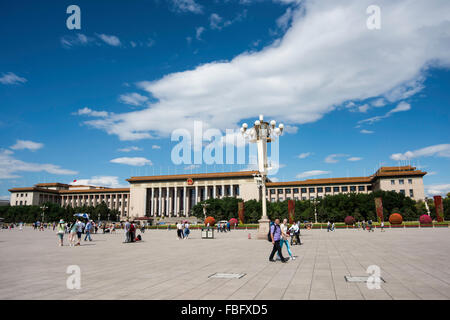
pixel 175 195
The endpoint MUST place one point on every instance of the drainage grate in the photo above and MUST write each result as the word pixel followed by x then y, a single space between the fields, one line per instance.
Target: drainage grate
pixel 359 279
pixel 227 275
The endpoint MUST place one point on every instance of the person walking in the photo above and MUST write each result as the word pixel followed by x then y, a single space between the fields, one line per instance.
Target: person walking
pixel 382 226
pixel 275 237
pixel 186 230
pixel 284 239
pixel 332 226
pixel 295 229
pixel 180 230
pixel 228 226
pixel 79 231
pixel 60 231
pixel 364 225
pixel 72 234
pixel 127 231
pixel 88 229
pixel 132 231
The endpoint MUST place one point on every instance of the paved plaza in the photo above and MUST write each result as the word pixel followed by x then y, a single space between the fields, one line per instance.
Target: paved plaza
pixel 415 263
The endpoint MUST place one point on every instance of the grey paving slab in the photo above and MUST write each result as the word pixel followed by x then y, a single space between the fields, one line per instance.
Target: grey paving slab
pixel 414 262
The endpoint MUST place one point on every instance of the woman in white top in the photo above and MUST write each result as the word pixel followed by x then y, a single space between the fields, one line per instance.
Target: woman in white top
pixel 284 238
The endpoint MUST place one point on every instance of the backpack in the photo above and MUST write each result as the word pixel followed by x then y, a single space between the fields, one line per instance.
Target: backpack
pixel 132 227
pixel 269 238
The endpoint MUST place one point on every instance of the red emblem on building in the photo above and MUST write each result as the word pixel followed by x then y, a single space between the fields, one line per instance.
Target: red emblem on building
pixel 190 181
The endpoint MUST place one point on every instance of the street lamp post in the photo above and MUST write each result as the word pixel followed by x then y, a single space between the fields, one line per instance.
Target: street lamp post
pixel 43 212
pixel 262 133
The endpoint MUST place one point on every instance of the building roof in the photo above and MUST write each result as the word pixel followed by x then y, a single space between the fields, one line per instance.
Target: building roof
pixel 105 190
pixel 355 180
pixel 194 176
pixel 51 184
pixel 404 171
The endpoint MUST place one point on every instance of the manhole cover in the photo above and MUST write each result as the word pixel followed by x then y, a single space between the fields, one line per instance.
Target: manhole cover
pixel 359 279
pixel 227 275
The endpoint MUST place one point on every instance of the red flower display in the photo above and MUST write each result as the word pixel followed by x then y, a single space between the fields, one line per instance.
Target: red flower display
pixel 396 218
pixel 233 222
pixel 425 219
pixel 349 220
pixel 210 220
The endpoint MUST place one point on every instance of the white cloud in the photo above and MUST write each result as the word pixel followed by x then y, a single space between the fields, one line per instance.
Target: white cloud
pixel 110 39
pixel 89 112
pixel 78 40
pixel 332 157
pixel 129 149
pixel 354 159
pixel 198 32
pixel 285 19
pixel 437 189
pixel 304 155
pixel 11 78
pixel 9 166
pixel 134 99
pixel 366 131
pixel 311 173
pixel 217 22
pixel 402 106
pixel 137 161
pixel 378 103
pixel 363 108
pixel 439 150
pixel 186 6
pixel 325 59
pixel 27 144
pixel 155 146
pixel 101 181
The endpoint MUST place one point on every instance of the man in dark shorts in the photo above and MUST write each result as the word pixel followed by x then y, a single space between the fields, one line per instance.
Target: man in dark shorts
pixel 275 234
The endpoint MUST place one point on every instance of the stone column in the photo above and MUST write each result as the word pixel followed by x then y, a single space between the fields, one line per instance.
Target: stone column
pixel 184 200
pixel 223 191
pixel 175 195
pixel 160 202
pixel 196 194
pixel 167 201
pixel 152 204
pixel 206 192
pixel 231 191
pixel 214 191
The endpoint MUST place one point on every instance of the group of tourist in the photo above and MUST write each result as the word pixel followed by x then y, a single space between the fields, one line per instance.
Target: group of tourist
pixel 130 232
pixel 223 227
pixel 279 235
pixel 368 226
pixel 183 230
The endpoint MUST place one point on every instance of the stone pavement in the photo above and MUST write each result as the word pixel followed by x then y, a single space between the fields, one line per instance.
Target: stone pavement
pixel 415 263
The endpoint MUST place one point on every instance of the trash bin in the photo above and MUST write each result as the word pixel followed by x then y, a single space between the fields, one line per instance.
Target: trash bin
pixel 207 233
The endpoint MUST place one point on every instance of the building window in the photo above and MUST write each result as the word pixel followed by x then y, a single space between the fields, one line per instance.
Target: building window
pixel 361 188
pixel 304 190
pixel 410 181
pixel 272 191
pixel 311 198
pixel 16 203
pixel 25 202
pixel 352 188
pixel 392 182
pixel 319 197
pixel 288 191
pixel 327 189
pixel 273 199
pixel 303 198
pixel 411 193
pixel 369 188
pixel 237 191
pixel 288 198
pixel 401 181
pixel 344 189
pixel 295 198
pixel 319 189
pixel 402 191
pixel 21 194
pixel 312 190
pixel 280 191
pixel 295 190
pixel 336 189
pixel 20 202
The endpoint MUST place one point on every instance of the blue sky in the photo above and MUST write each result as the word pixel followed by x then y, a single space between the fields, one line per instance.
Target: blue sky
pixel 99 104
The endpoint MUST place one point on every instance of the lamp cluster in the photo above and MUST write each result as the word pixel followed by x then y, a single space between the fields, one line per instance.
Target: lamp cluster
pixel 262 129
